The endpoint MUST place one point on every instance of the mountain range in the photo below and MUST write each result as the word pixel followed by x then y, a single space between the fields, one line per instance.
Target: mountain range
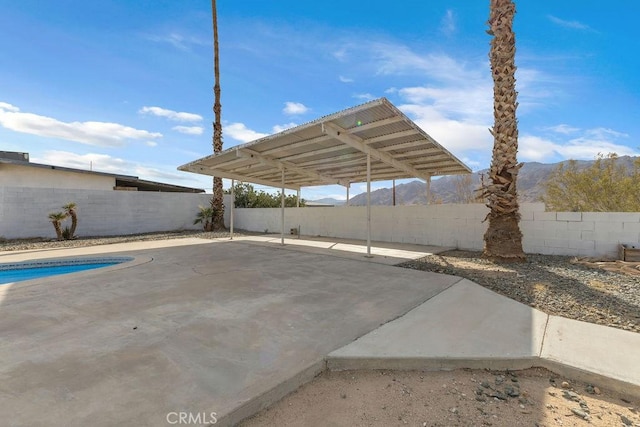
pixel 460 188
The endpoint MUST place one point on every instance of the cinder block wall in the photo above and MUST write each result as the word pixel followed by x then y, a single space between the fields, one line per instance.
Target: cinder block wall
pixel 24 211
pixel 461 226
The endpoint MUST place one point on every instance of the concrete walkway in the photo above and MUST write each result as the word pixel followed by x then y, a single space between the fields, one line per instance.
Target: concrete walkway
pixel 469 326
pixel 232 326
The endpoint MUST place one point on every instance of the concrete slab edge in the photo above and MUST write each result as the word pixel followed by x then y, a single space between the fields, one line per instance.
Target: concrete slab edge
pixel 428 364
pixel 555 366
pixel 268 398
pixel 257 404
pixel 617 385
pixel 265 400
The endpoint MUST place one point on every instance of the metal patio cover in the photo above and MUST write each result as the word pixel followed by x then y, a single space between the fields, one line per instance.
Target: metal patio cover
pixel 333 150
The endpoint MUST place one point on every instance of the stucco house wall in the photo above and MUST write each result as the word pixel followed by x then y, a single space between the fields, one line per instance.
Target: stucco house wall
pixel 12 175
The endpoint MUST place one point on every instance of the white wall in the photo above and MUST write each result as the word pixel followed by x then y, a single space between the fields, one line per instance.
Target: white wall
pixel 24 211
pixel 34 177
pixel 457 225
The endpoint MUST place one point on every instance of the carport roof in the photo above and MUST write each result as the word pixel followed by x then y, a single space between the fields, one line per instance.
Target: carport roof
pixel 333 150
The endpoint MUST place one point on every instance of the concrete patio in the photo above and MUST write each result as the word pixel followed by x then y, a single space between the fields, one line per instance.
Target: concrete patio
pixel 230 327
pixel 205 326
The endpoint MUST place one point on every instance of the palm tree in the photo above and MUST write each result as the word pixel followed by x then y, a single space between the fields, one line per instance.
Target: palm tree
pixel 70 209
pixel 218 195
pixel 56 218
pixel 503 239
pixel 204 217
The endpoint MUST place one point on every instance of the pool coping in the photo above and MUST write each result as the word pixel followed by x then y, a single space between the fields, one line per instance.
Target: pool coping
pixel 128 262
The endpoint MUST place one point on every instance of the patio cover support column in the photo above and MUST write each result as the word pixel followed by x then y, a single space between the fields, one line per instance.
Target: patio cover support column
pixel 298 199
pixel 368 205
pixel 282 211
pixel 233 203
pixel 348 186
pixel 428 190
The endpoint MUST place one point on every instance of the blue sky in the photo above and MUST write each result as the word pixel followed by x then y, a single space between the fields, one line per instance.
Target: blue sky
pixel 127 85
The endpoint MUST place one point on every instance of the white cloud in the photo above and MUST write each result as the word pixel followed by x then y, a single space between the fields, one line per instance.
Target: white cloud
pixel 341 54
pixel 91 161
pixel 585 146
pixel 294 108
pixel 399 59
pixel 473 164
pixel 576 25
pixel 105 163
pixel 364 96
pixel 189 130
pixel 151 144
pixel 471 102
pixel 171 115
pixel 457 136
pixel 448 23
pixel 8 107
pixel 177 40
pixel 563 128
pixel 345 79
pixel 240 132
pixel 536 149
pixel 280 128
pixel 102 134
pixel 455 107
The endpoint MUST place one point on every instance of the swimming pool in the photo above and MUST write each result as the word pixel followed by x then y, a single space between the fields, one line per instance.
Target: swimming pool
pixel 19 271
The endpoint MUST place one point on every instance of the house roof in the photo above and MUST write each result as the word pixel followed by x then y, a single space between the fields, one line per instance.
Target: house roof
pixel 333 150
pixel 121 180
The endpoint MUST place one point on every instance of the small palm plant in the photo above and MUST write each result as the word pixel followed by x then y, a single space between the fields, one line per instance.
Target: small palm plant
pixel 70 209
pixel 56 219
pixel 205 217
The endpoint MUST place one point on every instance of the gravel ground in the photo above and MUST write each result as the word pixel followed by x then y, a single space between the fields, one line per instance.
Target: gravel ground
pixel 39 243
pixel 554 284
pixel 463 398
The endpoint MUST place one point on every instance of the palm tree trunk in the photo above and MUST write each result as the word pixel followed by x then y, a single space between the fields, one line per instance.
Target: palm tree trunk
pixel 58 228
pixel 503 239
pixel 74 223
pixel 217 202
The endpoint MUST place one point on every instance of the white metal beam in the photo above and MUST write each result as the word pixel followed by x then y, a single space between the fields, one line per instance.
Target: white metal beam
pixel 224 174
pixel 405 145
pixel 315 152
pixel 282 210
pixel 378 123
pixel 390 136
pixel 369 205
pixel 296 145
pixel 245 152
pixel 359 144
pixel 232 207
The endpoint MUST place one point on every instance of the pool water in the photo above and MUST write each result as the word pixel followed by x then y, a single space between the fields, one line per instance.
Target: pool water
pixel 10 273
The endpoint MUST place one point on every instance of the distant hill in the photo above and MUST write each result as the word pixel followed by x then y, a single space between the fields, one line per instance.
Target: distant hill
pixel 329 201
pixel 531 179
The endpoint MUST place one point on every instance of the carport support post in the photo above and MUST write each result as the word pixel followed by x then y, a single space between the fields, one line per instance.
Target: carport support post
pixel 233 202
pixel 282 211
pixel 368 205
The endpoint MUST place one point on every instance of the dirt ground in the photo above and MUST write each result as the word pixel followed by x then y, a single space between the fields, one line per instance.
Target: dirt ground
pixel 533 397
